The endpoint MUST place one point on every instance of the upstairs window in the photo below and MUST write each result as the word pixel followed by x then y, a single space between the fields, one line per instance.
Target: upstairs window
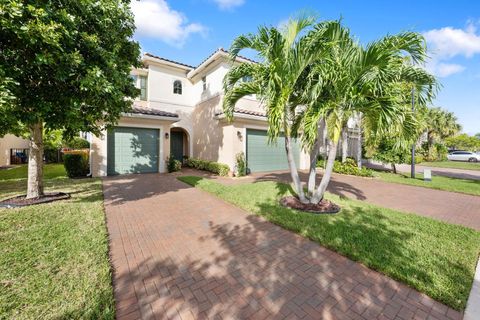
pixel 177 87
pixel 143 87
pixel 204 83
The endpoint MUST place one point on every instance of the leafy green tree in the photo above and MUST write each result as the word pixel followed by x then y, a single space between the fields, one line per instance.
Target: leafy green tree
pixel 314 73
pixel 387 152
pixel 68 64
pixel 463 142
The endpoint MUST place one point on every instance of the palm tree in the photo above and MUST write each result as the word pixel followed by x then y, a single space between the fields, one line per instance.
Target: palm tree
pixel 324 76
pixel 366 80
pixel 284 55
pixel 440 124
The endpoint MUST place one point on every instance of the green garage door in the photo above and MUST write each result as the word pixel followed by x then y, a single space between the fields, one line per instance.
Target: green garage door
pixel 262 156
pixel 132 150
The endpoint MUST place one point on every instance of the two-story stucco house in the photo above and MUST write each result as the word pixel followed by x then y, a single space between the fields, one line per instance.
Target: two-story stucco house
pixel 179 114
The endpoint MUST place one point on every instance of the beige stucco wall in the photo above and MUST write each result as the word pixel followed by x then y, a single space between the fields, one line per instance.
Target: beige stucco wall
pixel 217 140
pixel 8 142
pixel 212 138
pixel 98 152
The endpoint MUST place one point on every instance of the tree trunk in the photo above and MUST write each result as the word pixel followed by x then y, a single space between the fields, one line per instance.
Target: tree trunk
pixel 293 170
pixel 394 168
pixel 313 160
pixel 319 193
pixel 359 150
pixel 344 144
pixel 35 161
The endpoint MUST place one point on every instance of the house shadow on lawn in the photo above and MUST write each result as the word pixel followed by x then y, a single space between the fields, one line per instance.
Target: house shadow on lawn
pixel 258 269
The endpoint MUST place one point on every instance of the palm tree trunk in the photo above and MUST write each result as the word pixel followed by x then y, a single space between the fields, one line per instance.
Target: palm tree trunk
pixel 319 193
pixel 359 149
pixel 35 162
pixel 313 160
pixel 293 170
pixel 344 143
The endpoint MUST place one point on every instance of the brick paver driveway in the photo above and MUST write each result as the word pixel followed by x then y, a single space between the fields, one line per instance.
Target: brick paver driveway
pixel 180 253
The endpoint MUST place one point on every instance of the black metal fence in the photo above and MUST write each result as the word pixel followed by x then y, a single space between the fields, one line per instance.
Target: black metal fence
pixel 20 156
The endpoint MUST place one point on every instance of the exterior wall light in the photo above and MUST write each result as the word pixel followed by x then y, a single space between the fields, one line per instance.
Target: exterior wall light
pixel 167 135
pixel 239 135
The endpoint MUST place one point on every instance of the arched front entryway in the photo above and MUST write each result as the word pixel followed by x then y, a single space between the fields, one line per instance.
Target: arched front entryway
pixel 179 144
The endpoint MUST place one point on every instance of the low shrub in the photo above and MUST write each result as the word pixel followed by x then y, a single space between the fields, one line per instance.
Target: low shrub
pixel 348 167
pixel 211 166
pixel 76 164
pixel 241 165
pixel 173 165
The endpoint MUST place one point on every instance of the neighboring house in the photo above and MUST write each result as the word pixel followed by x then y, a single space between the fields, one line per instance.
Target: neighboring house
pixel 12 150
pixel 179 114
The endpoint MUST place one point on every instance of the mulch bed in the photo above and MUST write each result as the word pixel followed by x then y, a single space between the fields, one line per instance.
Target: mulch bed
pixel 20 201
pixel 324 207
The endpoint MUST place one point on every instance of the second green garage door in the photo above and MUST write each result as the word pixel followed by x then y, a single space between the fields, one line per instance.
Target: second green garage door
pixel 262 156
pixel 132 150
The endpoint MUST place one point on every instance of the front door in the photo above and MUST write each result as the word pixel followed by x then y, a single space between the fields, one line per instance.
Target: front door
pixel 176 145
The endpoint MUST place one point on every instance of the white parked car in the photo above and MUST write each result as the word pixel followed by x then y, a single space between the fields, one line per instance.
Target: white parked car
pixel 463 156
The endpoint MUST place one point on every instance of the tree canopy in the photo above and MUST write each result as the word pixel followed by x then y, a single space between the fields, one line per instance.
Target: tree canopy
pixel 63 65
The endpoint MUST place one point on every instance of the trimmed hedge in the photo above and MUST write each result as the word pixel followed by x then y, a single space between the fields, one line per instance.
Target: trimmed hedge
pixel 212 166
pixel 349 167
pixel 76 164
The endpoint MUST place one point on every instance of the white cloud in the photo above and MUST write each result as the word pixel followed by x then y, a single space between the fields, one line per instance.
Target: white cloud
pixel 155 19
pixel 447 43
pixel 450 42
pixel 446 69
pixel 229 4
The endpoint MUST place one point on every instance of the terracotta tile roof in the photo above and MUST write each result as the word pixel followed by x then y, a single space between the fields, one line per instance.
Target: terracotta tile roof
pixel 192 67
pixel 152 112
pixel 167 60
pixel 247 112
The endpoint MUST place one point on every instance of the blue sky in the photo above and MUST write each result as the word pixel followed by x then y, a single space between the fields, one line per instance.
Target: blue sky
pixel 190 30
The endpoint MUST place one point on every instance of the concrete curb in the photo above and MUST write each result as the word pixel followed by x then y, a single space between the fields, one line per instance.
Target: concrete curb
pixel 472 312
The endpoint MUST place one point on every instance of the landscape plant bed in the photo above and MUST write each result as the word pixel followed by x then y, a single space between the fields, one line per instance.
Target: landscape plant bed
pixel 21 201
pixel 323 207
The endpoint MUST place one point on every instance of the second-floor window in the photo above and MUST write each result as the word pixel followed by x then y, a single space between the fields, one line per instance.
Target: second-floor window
pixel 177 87
pixel 204 83
pixel 143 87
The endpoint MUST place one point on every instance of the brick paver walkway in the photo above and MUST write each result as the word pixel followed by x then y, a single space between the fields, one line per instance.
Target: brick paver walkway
pixel 180 253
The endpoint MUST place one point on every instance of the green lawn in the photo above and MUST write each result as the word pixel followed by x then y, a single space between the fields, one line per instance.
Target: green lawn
pixel 438 182
pixel 54 257
pixel 453 164
pixel 434 257
pixel 50 171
